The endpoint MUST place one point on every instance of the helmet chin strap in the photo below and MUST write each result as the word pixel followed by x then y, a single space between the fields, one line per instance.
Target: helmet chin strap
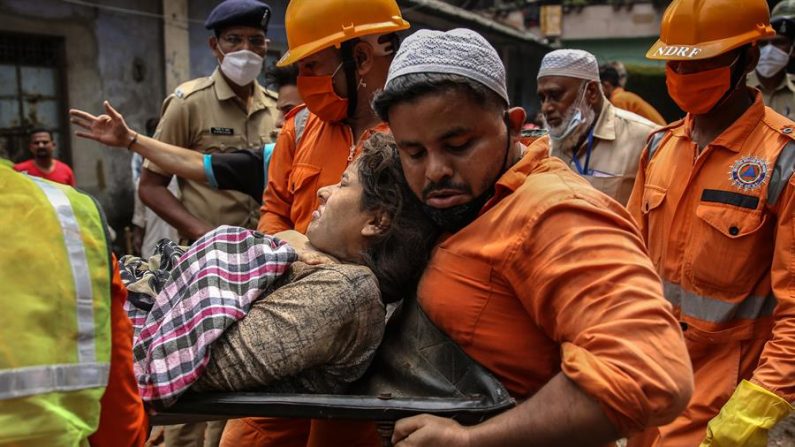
pixel 349 67
pixel 736 77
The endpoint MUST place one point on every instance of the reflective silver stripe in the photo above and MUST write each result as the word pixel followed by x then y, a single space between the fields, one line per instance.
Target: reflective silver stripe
pixel 654 143
pixel 785 167
pixel 717 311
pixel 29 381
pixel 86 349
pixel 300 124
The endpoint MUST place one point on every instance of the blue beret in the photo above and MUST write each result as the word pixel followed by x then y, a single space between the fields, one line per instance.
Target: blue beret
pixel 239 13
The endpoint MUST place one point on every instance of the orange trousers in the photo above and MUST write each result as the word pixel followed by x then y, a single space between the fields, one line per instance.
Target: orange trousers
pixel 275 432
pixel 717 370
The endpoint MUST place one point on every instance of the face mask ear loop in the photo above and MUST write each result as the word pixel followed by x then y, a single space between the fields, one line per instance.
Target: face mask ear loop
pixel 218 45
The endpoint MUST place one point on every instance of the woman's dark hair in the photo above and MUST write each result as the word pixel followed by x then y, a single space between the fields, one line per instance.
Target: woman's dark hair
pixel 399 255
pixel 411 87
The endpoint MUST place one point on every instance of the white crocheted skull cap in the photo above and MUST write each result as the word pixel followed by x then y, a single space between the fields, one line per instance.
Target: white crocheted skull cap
pixel 570 63
pixel 460 51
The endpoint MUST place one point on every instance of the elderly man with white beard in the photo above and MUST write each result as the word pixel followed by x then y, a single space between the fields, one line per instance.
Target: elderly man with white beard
pixel 599 141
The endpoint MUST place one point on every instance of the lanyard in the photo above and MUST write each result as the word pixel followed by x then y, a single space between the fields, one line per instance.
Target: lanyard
pixel 584 170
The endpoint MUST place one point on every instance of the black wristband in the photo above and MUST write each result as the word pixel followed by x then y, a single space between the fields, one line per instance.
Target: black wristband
pixel 132 141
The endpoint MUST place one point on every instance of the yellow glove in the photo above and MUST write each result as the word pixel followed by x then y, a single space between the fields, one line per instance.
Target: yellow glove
pixel 746 418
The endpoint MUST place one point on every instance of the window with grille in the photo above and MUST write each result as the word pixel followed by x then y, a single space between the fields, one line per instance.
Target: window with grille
pixel 32 93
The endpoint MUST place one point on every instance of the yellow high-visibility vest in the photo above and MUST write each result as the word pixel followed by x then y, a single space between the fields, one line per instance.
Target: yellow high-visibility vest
pixel 55 334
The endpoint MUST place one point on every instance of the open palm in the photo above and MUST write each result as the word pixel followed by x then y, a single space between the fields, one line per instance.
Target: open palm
pixel 109 128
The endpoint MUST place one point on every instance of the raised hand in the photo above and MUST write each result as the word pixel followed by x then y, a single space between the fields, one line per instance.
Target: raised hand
pixel 109 128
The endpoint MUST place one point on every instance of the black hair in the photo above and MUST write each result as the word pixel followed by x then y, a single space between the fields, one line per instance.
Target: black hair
pixel 411 87
pixel 278 77
pixel 399 255
pixel 610 75
pixel 36 130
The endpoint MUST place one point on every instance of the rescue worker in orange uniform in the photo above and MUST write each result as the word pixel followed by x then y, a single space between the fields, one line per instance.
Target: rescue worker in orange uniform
pixel 715 202
pixel 342 49
pixel 540 278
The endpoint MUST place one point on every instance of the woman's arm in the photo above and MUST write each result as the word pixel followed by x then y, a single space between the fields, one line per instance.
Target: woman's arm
pixel 111 129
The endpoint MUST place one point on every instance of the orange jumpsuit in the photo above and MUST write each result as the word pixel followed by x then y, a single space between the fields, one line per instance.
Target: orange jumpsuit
pixel 122 419
pixel 720 229
pixel 635 104
pixel 553 276
pixel 295 174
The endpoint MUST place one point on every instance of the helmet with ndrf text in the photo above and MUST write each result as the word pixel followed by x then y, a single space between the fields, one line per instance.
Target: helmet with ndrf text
pixel 701 29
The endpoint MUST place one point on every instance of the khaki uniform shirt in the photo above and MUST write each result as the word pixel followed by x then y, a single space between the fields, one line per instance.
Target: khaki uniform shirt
pixel 206 115
pixel 781 99
pixel 619 139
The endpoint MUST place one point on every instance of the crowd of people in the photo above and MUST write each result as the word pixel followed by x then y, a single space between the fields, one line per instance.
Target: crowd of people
pixel 621 276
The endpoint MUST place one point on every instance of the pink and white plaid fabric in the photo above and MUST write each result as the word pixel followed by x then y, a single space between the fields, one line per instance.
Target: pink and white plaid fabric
pixel 210 289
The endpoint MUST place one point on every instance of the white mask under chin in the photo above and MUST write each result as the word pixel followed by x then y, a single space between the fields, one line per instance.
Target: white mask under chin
pixel 242 67
pixel 566 136
pixel 771 61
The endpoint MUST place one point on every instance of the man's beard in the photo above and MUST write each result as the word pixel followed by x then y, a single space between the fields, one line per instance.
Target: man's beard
pixel 566 142
pixel 455 217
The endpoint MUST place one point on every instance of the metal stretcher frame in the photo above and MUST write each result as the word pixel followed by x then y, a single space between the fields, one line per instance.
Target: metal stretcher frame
pixel 417 369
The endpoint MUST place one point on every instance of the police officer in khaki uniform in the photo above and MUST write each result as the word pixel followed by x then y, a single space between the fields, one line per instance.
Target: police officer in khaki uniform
pixel 227 111
pixel 770 75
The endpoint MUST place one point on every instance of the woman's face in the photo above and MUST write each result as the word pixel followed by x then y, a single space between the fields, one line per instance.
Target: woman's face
pixel 339 226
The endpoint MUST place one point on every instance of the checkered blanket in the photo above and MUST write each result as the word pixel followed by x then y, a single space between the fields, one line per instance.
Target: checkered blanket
pixel 211 287
pixel 145 278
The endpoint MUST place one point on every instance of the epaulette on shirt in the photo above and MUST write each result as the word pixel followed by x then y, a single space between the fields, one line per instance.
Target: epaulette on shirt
pixel 784 167
pixel 270 94
pixel 194 85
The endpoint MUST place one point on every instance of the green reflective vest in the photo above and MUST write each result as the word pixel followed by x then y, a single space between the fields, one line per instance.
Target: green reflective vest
pixel 55 275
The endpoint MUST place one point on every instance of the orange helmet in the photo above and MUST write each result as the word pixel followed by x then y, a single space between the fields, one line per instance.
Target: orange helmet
pixel 314 25
pixel 701 29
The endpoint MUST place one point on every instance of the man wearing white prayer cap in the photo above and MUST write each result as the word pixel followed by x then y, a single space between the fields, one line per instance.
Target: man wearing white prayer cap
pixel 599 141
pixel 539 278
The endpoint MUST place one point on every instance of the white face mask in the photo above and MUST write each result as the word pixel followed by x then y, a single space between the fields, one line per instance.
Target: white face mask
pixel 575 117
pixel 578 120
pixel 771 61
pixel 242 67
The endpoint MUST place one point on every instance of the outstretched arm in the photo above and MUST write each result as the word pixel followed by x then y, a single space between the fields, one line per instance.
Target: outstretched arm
pixel 111 129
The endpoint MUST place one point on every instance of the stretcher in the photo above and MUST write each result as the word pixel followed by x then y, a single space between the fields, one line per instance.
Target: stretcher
pixel 417 369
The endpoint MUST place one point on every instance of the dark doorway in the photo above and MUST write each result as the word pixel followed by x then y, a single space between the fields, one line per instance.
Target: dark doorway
pixel 32 93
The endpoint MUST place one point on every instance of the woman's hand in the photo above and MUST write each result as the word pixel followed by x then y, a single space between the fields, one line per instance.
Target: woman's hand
pixel 306 252
pixel 109 129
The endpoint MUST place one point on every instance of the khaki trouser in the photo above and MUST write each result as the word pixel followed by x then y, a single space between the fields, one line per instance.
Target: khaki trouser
pixel 201 434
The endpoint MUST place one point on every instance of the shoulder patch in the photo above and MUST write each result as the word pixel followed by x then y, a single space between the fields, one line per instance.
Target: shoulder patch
pixel 194 85
pixel 749 173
